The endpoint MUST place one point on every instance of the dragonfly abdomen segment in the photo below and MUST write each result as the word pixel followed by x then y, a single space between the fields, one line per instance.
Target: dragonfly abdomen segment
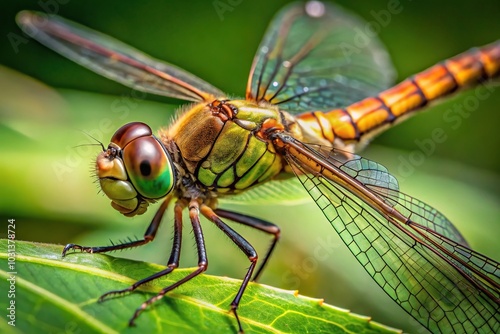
pixel 368 116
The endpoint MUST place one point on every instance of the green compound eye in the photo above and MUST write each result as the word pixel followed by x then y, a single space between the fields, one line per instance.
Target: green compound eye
pixel 149 168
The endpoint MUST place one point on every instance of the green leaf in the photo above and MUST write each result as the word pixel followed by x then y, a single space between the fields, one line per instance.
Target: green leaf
pixel 53 294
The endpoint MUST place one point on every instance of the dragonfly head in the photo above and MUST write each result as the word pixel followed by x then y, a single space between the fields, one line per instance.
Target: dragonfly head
pixel 135 170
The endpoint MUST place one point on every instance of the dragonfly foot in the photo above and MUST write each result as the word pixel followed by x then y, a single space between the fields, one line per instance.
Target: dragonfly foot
pixel 69 247
pixel 113 293
pixel 233 309
pixel 131 322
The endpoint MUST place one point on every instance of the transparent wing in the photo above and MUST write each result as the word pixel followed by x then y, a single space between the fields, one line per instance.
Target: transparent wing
pixel 317 56
pixel 114 59
pixel 274 192
pixel 377 178
pixel 423 263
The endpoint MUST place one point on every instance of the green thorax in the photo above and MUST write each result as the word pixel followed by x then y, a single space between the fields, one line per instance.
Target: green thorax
pixel 221 147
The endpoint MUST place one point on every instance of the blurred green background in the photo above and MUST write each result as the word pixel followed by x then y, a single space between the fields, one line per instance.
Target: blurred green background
pixel 47 103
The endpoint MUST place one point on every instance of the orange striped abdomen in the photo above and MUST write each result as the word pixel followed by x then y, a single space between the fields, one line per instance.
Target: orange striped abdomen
pixel 362 119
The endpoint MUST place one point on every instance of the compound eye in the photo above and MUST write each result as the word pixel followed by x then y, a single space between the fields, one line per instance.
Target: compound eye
pixel 149 168
pixel 129 132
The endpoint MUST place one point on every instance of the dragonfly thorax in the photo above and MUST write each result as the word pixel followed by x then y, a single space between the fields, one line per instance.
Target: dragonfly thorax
pixel 221 146
pixel 135 170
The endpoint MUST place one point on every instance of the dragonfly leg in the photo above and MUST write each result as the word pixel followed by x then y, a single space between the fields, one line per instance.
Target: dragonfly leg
pixel 173 262
pixel 258 224
pixel 245 247
pixel 148 236
pixel 194 216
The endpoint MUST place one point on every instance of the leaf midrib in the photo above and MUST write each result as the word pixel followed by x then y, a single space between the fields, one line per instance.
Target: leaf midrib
pixel 112 276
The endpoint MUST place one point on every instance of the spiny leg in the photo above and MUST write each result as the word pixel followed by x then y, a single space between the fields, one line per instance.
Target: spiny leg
pixel 173 262
pixel 194 215
pixel 245 247
pixel 148 236
pixel 258 224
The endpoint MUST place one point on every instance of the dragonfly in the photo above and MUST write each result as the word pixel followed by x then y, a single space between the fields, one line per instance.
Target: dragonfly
pixel 314 97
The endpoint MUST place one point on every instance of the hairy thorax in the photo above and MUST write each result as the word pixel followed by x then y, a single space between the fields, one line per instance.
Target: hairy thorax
pixel 223 147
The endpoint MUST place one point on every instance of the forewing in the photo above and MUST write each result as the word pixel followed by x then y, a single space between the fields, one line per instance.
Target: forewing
pixel 447 289
pixel 377 178
pixel 317 56
pixel 114 59
pixel 422 214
